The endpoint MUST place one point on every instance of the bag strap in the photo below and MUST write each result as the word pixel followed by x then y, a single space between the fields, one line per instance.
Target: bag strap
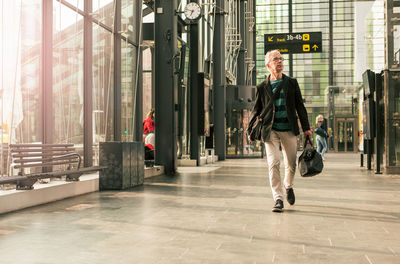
pixel 308 140
pixel 273 98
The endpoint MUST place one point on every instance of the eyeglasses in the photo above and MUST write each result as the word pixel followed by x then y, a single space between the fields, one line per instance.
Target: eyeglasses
pixel 278 59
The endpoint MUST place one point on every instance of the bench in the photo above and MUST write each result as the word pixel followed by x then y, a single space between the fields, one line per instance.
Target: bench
pixel 45 161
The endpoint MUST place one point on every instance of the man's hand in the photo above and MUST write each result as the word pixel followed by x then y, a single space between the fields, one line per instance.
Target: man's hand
pixel 308 133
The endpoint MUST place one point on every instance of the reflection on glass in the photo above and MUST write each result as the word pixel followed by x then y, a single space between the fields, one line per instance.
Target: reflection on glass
pixel 68 76
pixel 185 138
pixel 103 11
pixel 128 87
pixel 27 113
pixel 350 136
pixel 340 133
pixel 127 22
pixel 76 3
pixel 20 47
pixel 237 143
pixel 147 82
pixel 103 88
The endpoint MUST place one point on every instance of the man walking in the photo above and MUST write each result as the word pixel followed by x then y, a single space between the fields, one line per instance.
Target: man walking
pixel 280 125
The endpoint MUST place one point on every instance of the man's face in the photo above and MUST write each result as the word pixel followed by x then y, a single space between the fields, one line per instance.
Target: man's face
pixel 275 62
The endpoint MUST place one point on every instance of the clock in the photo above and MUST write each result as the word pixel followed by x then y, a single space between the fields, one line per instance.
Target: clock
pixel 192 11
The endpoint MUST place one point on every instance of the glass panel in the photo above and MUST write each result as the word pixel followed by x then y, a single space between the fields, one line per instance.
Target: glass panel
pixel 393 109
pixel 128 86
pixel 20 48
pixel 233 142
pixel 147 83
pixel 103 88
pixel 76 3
pixel 104 10
pixel 340 136
pixel 395 133
pixel 68 76
pixel 237 143
pixel 127 19
pixel 185 139
pixel 350 136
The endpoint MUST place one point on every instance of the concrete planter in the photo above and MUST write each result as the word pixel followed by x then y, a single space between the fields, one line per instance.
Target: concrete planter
pixel 125 165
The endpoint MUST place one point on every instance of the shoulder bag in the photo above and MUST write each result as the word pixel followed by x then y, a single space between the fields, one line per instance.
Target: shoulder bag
pixel 255 133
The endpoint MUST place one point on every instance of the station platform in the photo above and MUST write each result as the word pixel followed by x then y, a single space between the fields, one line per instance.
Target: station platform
pixel 220 213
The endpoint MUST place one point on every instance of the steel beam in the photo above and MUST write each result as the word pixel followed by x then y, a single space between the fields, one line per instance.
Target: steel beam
pixel 47 73
pixel 87 86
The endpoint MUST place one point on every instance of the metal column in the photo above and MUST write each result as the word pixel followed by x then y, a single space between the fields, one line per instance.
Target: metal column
pixel 47 73
pixel 290 31
pixel 138 74
pixel 87 85
pixel 166 32
pixel 194 90
pixel 331 81
pixel 254 36
pixel 379 127
pixel 391 84
pixel 219 80
pixel 241 65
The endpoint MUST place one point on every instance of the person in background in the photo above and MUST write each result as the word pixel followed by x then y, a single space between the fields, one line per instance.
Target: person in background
pixel 148 123
pixel 322 135
pixel 148 135
pixel 149 143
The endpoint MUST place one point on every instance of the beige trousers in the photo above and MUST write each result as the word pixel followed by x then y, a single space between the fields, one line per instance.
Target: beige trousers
pixel 288 142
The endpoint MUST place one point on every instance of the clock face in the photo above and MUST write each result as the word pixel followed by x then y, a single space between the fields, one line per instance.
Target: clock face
pixel 192 10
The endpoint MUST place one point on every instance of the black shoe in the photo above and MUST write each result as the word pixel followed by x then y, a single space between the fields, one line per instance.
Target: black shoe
pixel 290 196
pixel 278 207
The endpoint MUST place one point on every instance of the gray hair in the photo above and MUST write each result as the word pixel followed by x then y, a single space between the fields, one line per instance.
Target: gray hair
pixel 268 55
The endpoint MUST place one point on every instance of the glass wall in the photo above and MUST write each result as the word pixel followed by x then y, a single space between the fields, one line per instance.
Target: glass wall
pixel 20 48
pixel 343 42
pixel 20 75
pixel 23 66
pixel 67 75
pixel 311 70
pixel 147 82
pixel 375 37
pixel 103 87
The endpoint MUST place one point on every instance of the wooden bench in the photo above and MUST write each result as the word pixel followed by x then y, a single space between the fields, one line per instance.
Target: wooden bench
pixel 45 161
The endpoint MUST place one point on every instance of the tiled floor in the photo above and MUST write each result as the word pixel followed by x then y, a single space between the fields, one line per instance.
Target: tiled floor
pixel 217 214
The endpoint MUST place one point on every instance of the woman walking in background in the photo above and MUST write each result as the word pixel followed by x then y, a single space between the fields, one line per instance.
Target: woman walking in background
pixel 322 134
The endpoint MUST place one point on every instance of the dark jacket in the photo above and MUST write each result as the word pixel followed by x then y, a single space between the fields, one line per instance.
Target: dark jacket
pixel 294 107
pixel 321 132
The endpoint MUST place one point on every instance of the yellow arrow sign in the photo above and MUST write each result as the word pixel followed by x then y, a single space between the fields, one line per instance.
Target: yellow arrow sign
pixel 270 38
pixel 315 47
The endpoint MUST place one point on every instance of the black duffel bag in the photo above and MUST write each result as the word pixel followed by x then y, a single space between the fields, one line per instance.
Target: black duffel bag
pixel 310 161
